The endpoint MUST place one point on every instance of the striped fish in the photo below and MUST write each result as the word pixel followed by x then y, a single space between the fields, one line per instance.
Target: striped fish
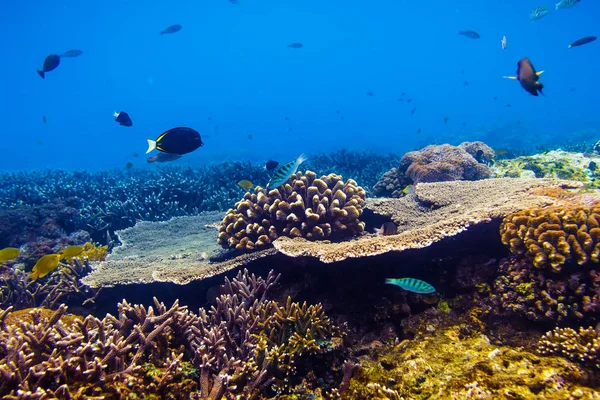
pixel 412 285
pixel 284 172
pixel 566 3
pixel 538 13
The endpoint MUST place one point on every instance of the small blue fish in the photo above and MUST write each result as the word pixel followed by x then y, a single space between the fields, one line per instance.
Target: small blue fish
pixel 171 29
pixel 284 172
pixel 538 13
pixel 412 285
pixel 566 3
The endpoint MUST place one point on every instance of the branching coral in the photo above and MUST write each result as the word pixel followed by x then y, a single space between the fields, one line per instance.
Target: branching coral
pixel 245 345
pixel 581 346
pixel 553 236
pixel 303 207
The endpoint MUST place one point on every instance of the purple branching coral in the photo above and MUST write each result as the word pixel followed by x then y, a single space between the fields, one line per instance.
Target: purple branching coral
pixel 245 346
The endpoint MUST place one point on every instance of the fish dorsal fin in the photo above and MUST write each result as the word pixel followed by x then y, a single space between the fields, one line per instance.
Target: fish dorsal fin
pixel 511 77
pixel 539 73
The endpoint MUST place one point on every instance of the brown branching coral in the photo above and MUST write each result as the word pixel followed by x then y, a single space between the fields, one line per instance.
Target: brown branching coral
pixel 306 206
pixel 555 235
pixel 581 346
pixel 246 345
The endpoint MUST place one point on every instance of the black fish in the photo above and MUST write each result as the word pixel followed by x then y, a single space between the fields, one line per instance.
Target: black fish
pixel 370 93
pixel 72 53
pixel 50 63
pixel 164 157
pixel 582 41
pixel 123 118
pixel 412 112
pixel 388 228
pixel 129 165
pixel 470 34
pixel 249 137
pixel 295 45
pixel 44 120
pixel 179 140
pixel 171 29
pixel 271 165
pixel 528 77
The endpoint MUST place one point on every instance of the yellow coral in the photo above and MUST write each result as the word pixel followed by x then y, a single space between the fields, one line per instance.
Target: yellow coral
pixel 92 252
pixel 554 235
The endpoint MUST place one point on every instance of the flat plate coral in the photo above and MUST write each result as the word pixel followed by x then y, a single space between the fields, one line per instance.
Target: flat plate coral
pixel 435 211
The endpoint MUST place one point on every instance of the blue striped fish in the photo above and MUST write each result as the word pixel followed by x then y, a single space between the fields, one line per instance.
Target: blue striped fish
pixel 538 13
pixel 412 285
pixel 284 172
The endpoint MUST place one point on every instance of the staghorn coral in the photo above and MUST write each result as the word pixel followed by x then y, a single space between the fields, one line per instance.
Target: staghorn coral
pixel 580 346
pixel 304 207
pixel 245 345
pixel 553 236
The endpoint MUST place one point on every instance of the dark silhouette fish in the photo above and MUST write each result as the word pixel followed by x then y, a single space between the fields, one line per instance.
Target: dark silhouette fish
pixel 271 165
pixel 123 118
pixel 295 45
pixel 171 29
pixel 470 34
pixel 582 41
pixel 179 140
pixel 388 228
pixel 528 77
pixel 71 53
pixel 164 157
pixel 50 63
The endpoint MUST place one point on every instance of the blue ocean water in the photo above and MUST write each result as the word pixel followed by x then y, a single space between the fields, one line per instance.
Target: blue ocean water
pixel 229 73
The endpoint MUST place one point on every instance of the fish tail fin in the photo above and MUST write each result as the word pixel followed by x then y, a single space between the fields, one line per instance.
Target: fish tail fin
pixel 514 78
pixel 41 73
pixel 301 159
pixel 115 114
pixel 540 87
pixel 34 275
pixel 378 231
pixel 557 5
pixel 151 146
pixel 539 73
pixel 389 281
pixel 569 46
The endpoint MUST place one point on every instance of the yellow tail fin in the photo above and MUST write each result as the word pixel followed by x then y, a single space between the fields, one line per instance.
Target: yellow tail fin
pixel 539 73
pixel 511 77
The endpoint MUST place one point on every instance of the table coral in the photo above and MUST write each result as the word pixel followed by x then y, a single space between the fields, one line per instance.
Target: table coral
pixel 581 346
pixel 305 206
pixel 554 236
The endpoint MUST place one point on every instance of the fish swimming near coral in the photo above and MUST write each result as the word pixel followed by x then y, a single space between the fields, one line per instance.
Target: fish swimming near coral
pixel 409 189
pixel 9 253
pixel 180 140
pixel 389 228
pixel 71 251
pixel 245 184
pixel 567 3
pixel 45 265
pixel 123 118
pixel 50 63
pixel 171 29
pixel 71 53
pixel 164 157
pixel 582 41
pixel 412 285
pixel 470 34
pixel 528 77
pixel 284 172
pixel 538 13
pixel 271 165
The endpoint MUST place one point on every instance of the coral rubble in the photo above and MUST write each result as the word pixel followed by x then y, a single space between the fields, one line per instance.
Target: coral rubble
pixel 305 206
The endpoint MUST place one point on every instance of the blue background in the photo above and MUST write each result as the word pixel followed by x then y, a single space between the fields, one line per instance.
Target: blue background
pixel 231 63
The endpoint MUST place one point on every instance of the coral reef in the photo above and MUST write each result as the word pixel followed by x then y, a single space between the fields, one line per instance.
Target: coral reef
pixel 552 236
pixel 448 364
pixel 304 207
pixel 580 167
pixel 436 163
pixel 245 346
pixel 580 346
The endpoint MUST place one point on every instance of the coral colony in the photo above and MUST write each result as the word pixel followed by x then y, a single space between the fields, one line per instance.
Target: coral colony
pixel 281 293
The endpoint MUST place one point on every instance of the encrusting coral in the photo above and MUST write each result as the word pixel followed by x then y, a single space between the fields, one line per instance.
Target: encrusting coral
pixel 555 235
pixel 581 346
pixel 305 206
pixel 245 345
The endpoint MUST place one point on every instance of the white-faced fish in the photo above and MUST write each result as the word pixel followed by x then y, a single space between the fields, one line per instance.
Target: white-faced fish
pixel 171 29
pixel 45 265
pixel 528 77
pixel 8 253
pixel 566 3
pixel 503 42
pixel 582 41
pixel 50 63
pixel 164 157
pixel 389 228
pixel 180 140
pixel 470 34
pixel 295 45
pixel 71 53
pixel 283 172
pixel 412 285
pixel 538 13
pixel 123 118
pixel 409 189
pixel 245 184
pixel 71 251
